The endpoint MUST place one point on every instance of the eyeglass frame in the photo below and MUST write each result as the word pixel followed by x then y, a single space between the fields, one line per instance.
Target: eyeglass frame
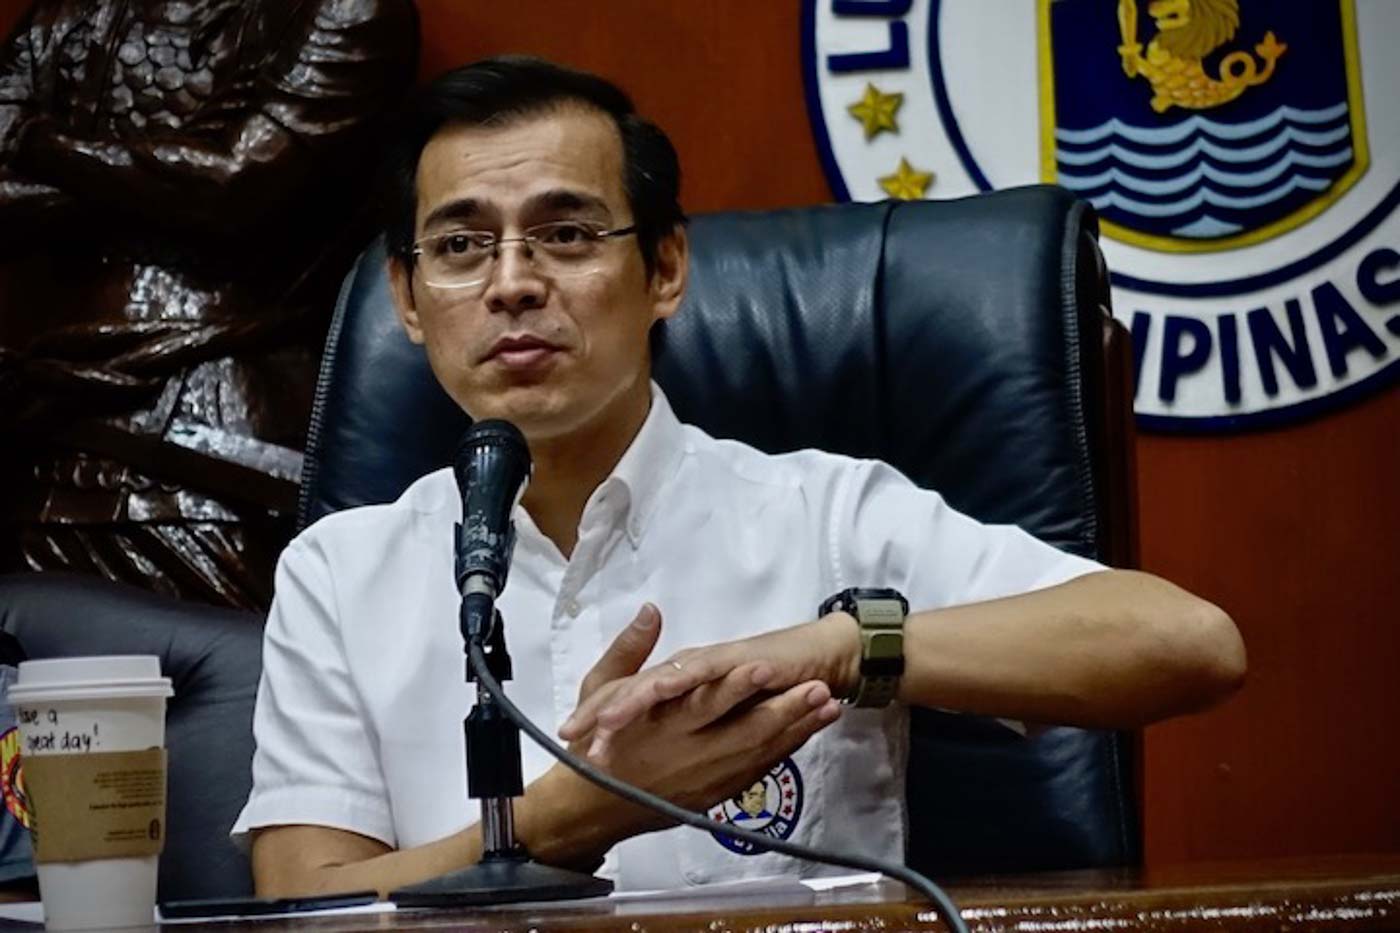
pixel 527 239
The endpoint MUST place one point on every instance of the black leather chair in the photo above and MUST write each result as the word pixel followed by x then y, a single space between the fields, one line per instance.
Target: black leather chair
pixel 213 658
pixel 968 343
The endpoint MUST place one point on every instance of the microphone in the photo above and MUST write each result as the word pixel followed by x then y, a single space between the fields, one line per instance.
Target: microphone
pixel 492 466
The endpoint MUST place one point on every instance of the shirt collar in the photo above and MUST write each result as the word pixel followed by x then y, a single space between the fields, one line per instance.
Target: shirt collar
pixel 637 481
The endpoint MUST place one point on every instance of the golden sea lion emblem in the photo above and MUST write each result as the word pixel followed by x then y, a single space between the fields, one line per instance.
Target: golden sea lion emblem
pixel 1188 31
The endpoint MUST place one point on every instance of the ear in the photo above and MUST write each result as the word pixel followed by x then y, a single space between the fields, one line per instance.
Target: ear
pixel 401 289
pixel 671 273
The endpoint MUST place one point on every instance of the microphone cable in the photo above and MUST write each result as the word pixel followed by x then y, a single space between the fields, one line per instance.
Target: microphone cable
pixel 949 911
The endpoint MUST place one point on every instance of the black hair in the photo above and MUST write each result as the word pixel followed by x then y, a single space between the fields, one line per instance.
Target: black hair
pixel 497 90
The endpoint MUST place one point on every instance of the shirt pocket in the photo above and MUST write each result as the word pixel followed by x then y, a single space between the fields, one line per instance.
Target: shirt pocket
pixel 786 803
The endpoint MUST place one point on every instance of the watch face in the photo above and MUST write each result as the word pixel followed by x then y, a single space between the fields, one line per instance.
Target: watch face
pixel 845 601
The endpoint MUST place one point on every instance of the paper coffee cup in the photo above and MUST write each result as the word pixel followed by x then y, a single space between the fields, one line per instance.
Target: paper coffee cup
pixel 92 747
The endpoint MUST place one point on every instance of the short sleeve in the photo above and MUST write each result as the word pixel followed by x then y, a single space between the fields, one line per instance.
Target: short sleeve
pixel 886 531
pixel 316 761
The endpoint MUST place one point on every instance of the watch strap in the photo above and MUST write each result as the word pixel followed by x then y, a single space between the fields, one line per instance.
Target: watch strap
pixel 880 614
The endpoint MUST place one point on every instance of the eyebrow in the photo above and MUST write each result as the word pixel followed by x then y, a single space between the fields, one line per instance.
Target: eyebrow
pixel 460 210
pixel 567 199
pixel 463 210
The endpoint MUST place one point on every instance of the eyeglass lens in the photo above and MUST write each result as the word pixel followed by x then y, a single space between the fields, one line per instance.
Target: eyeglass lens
pixel 465 258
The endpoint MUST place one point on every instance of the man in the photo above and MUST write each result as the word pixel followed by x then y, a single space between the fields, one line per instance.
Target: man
pixel 540 238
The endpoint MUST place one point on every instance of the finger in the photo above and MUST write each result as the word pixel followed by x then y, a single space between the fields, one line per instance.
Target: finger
pixel 586 718
pixel 627 653
pixel 643 698
pixel 708 665
pixel 774 729
pixel 766 721
pixel 623 658
pixel 600 749
pixel 795 735
pixel 693 710
pixel 737 760
pixel 719 698
pixel 667 681
pixel 790 738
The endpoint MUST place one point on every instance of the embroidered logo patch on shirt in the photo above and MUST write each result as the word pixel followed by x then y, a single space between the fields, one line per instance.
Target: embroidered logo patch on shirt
pixel 772 805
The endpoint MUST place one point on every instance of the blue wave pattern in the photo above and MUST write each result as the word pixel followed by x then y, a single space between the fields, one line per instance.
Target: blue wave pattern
pixel 1201 178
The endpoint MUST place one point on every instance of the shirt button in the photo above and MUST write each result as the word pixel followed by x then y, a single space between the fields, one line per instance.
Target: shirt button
pixel 572 608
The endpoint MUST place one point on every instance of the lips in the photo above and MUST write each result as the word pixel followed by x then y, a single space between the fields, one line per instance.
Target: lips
pixel 521 351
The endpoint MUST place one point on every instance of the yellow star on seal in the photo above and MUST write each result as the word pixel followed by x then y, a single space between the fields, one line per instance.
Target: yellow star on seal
pixel 906 184
pixel 876 111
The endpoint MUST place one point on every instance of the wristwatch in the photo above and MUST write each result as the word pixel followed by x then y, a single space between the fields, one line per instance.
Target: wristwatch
pixel 880 614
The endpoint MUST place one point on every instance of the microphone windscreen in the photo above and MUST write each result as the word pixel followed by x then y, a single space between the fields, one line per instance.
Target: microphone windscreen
pixel 493 433
pixel 491 466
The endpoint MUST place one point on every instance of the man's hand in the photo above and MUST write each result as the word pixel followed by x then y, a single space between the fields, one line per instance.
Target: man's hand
pixel 696 746
pixel 826 651
pixel 693 750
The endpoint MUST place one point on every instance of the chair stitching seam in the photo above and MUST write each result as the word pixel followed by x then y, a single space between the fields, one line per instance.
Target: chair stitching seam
pixel 311 461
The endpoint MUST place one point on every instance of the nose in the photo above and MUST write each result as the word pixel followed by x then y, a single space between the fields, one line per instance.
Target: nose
pixel 515 284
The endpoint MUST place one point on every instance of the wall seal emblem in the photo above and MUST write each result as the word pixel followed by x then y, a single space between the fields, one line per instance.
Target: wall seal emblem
pixel 1241 155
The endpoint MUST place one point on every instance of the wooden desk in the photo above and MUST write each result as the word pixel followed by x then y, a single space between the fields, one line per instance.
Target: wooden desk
pixel 1347 894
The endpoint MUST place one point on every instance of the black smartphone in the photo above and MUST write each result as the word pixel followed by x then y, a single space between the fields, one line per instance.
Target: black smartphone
pixel 257 906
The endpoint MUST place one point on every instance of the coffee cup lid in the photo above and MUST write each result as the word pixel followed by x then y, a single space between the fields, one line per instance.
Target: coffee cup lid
pixel 115 676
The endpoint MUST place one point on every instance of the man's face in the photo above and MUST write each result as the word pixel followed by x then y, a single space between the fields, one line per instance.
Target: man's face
pixel 753 800
pixel 553 355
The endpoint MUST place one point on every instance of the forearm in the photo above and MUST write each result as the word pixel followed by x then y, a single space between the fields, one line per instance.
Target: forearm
pixel 565 820
pixel 1110 650
pixel 1113 649
pixel 559 822
pixel 300 861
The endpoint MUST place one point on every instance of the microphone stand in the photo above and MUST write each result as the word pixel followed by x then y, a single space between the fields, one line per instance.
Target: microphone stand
pixel 506 873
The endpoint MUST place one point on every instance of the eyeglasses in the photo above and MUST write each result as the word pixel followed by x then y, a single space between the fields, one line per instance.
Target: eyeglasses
pixel 560 249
